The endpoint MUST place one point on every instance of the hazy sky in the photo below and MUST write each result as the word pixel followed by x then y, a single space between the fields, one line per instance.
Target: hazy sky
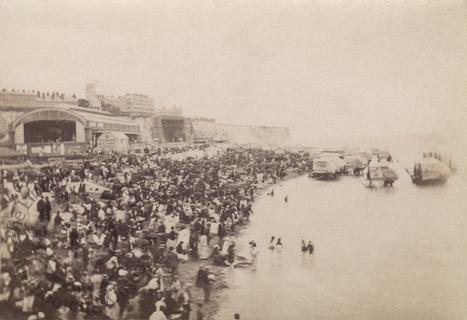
pixel 323 68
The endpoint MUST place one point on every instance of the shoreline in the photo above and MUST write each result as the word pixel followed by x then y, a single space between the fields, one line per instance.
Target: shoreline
pixel 189 270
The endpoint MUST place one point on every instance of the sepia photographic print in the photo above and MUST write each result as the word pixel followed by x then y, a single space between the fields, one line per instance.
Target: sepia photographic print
pixel 244 159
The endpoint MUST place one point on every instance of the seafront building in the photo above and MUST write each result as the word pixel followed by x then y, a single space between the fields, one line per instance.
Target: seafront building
pixel 208 130
pixel 130 104
pixel 52 124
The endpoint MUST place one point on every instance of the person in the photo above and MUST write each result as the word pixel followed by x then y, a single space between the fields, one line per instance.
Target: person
pixel 253 253
pixel 176 285
pixel 203 248
pixel 57 221
pixel 173 308
pixel 279 245
pixel 230 259
pixel 271 243
pixel 204 282
pixel 158 314
pixel 304 246
pixel 47 210
pixel 172 193
pixel 181 252
pixel 286 199
pixel 199 276
pixel 356 172
pixel 245 262
pixel 172 261
pixel 236 316
pixel 41 209
pixel 216 256
pixel 74 239
pixel 112 309
pixel 310 248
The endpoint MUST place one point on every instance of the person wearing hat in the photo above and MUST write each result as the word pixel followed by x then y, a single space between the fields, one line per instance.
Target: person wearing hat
pixel 216 256
pixel 40 207
pixel 204 282
pixel 172 261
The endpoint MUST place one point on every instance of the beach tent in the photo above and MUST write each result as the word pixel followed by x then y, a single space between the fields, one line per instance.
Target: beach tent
pixel 113 141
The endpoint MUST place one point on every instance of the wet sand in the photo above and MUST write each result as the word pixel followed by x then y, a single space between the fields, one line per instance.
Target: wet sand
pixel 188 270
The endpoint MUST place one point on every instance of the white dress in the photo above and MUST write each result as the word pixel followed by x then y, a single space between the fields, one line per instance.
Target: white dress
pixel 203 248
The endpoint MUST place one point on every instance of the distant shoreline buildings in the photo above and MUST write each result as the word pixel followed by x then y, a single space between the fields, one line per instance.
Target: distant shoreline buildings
pixel 44 123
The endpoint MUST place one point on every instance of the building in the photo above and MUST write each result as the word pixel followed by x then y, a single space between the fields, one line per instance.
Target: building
pixel 18 99
pixel 112 104
pixel 33 99
pixel 172 129
pixel 137 104
pixel 131 104
pixel 208 131
pixel 48 126
pixel 91 96
pixel 164 111
pixel 63 129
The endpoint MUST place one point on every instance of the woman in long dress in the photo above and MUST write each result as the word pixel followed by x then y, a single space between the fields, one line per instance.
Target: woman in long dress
pixel 203 248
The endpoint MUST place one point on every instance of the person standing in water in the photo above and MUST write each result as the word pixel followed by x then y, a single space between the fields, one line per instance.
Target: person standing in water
pixel 253 253
pixel 310 248
pixel 271 243
pixel 279 245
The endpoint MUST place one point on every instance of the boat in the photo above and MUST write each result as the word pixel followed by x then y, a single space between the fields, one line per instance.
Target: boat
pixel 381 172
pixel 444 158
pixel 381 155
pixel 331 152
pixel 354 164
pixel 361 154
pixel 327 168
pixel 429 170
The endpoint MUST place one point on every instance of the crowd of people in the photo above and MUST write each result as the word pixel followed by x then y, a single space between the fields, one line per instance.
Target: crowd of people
pixel 103 238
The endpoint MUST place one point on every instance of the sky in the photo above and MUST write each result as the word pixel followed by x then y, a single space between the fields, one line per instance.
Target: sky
pixel 322 68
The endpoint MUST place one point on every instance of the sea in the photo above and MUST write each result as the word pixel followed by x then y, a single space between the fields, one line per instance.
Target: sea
pixel 380 253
